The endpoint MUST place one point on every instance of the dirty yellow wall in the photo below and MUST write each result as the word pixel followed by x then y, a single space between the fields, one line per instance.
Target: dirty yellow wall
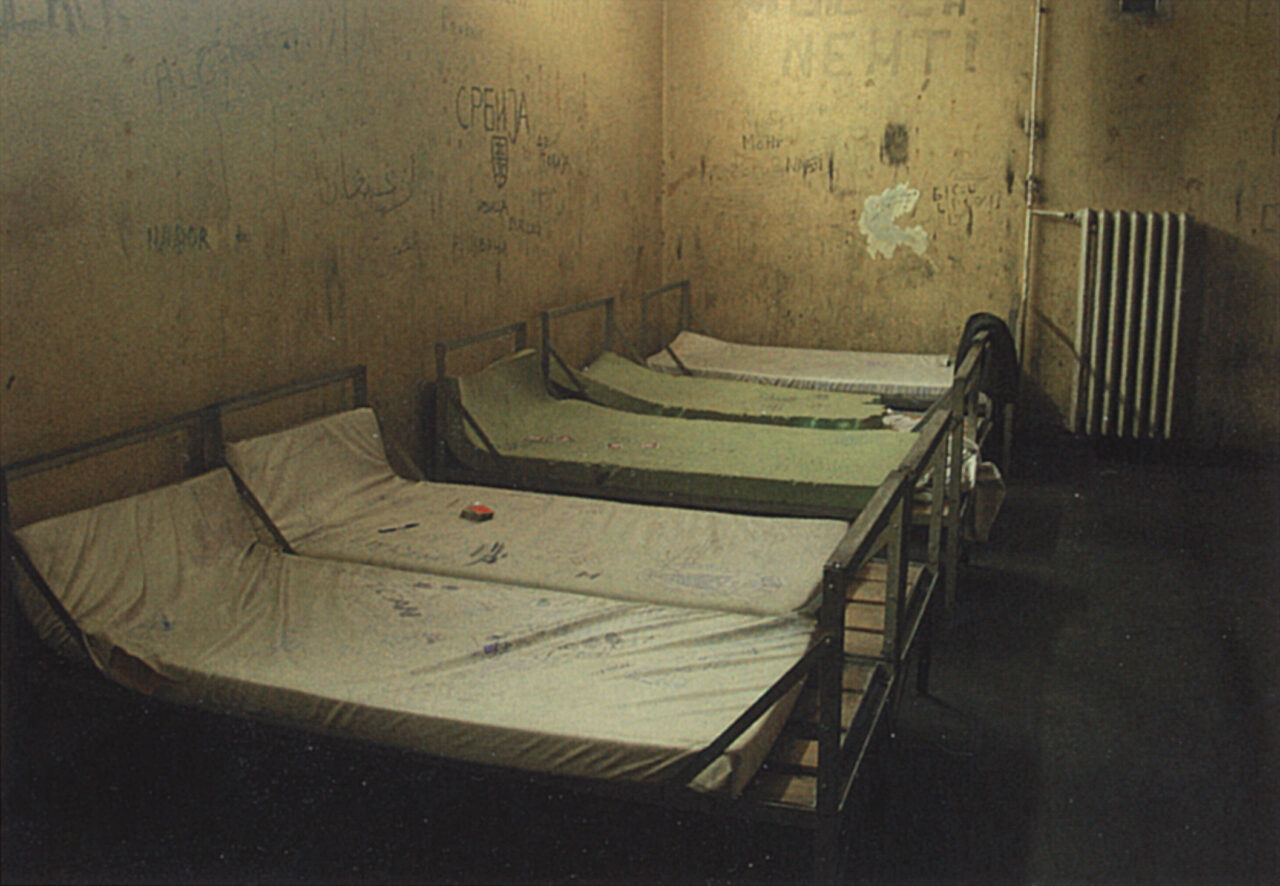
pixel 198 199
pixel 785 117
pixel 1180 113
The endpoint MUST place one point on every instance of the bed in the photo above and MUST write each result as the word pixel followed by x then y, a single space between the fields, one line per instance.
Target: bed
pixel 501 426
pixel 329 488
pixel 389 657
pixel 915 380
pixel 901 380
pixel 618 382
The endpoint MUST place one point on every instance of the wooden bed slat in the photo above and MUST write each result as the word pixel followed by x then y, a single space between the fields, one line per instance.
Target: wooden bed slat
pixel 789 790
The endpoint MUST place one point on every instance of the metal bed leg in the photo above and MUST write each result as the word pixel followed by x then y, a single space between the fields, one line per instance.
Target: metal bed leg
pixel 925 663
pixel 1006 444
pixel 951 538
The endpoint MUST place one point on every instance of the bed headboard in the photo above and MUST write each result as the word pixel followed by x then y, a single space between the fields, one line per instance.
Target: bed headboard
pixel 124 463
pixel 175 448
pixel 281 406
pixel 519 331
pixel 613 335
pixel 648 331
pixel 137 459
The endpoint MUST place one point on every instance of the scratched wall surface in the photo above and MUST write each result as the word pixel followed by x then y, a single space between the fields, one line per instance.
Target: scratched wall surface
pixel 845 174
pixel 198 199
pixel 1178 113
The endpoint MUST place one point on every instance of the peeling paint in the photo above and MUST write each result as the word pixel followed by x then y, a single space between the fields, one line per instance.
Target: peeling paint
pixel 877 222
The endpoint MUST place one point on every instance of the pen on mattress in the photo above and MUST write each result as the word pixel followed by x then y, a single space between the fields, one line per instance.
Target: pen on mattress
pixel 397 528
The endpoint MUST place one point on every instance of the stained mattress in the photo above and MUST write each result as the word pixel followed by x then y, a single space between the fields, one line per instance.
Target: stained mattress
pixel 917 376
pixel 330 491
pixel 542 440
pixel 178 597
pixel 616 382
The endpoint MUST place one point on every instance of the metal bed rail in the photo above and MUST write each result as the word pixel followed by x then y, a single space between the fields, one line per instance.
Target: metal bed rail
pixel 519 331
pixel 961 403
pixel 612 334
pixel 685 288
pixel 444 396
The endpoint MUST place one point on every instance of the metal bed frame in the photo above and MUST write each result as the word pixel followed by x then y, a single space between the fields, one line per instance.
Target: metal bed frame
pixel 808 780
pixel 686 322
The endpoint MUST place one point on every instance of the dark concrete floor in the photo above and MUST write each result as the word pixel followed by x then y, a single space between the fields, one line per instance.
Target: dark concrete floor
pixel 1104 709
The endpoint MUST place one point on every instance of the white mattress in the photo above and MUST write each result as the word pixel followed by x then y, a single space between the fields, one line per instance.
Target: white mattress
pixel 329 489
pixel 178 598
pixel 926 376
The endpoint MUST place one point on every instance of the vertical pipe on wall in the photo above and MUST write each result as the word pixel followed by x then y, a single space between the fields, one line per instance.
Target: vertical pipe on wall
pixel 1025 296
pixel 663 261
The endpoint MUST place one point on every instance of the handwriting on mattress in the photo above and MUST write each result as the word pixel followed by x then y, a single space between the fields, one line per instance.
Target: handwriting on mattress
pixel 709 581
pixel 402 607
pixel 397 528
pixel 488 554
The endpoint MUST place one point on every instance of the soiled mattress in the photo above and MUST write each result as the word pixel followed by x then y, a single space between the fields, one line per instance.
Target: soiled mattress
pixel 330 491
pixel 614 381
pixel 917 376
pixel 178 597
pixel 735 464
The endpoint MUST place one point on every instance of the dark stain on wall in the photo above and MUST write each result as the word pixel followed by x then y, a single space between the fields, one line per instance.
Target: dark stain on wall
pixel 895 144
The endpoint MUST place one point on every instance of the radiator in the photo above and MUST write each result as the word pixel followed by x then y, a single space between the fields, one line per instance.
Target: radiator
pixel 1130 299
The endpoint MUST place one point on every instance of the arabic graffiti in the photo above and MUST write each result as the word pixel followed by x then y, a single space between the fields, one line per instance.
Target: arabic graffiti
pixel 382 187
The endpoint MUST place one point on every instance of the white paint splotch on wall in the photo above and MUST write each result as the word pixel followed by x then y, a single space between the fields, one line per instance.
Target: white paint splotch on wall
pixel 877 222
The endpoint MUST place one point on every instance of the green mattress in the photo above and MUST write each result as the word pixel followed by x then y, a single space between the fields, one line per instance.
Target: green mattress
pixel 540 442
pixel 618 383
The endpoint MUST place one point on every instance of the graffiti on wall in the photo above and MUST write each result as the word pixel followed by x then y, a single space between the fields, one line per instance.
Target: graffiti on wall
pixel 175 239
pixel 501 113
pixel 875 52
